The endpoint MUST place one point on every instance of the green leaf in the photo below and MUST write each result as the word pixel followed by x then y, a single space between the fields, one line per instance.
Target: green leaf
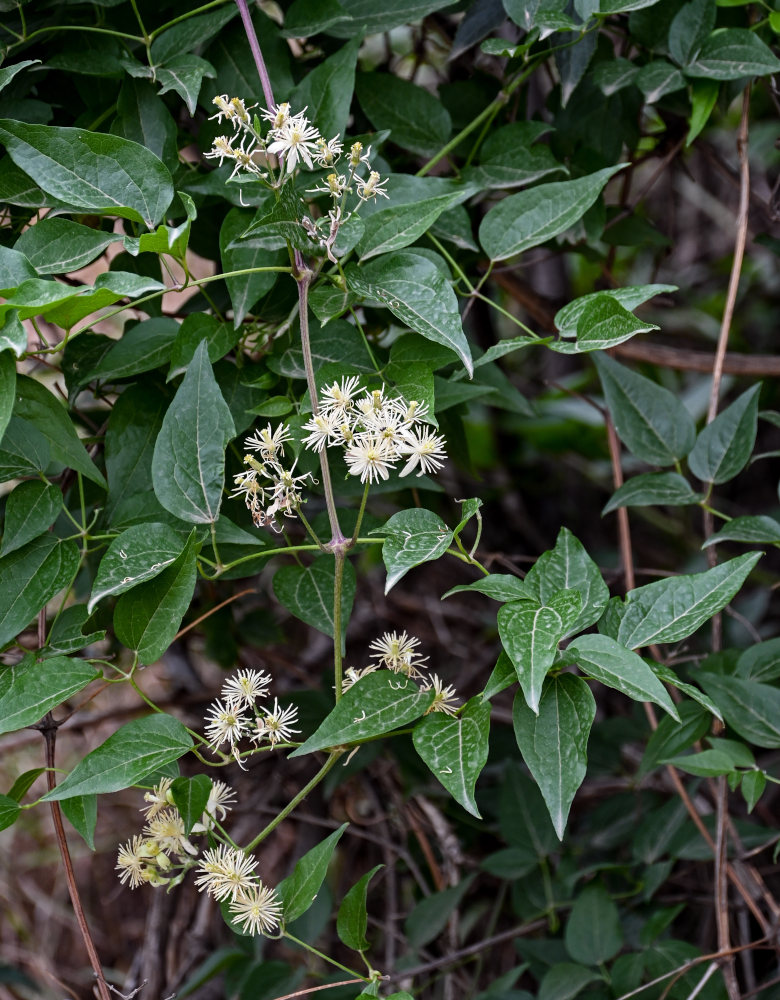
pixel 649 420
pixel 499 586
pixel 754 530
pixel 533 217
pixel 414 381
pixel 299 890
pixel 565 980
pixel 7 387
pixel 658 78
pixel 9 72
pixel 245 290
pixel 81 812
pixel 184 74
pixel 723 448
pixel 530 636
pixel 568 566
pixel 136 555
pixel 31 576
pixel 619 668
pixel 352 919
pixel 604 323
pixel 704 96
pixel 412 537
pixel 456 749
pixel 309 593
pixel 750 708
pixel 109 287
pixel 67 635
pixel 760 662
pixel 9 810
pixel 705 764
pixel 508 158
pixel 689 29
pixel 188 465
pixel 13 336
pixel 24 450
pixel 554 742
pixel 414 290
pixel 29 511
pixel 91 171
pixel 613 75
pixel 56 245
pixel 32 688
pixel 147 618
pixel 667 488
pixel 630 297
pixel 752 787
pixel 593 932
pixel 36 404
pixel 671 737
pixel 189 34
pixel 24 783
pixel 396 227
pixel 134 751
pixel 668 676
pixel 144 118
pixel 418 121
pixel 430 916
pixel 731 54
pixel 327 90
pixel 142 348
pixel 672 609
pixel 220 338
pixel 376 705
pixel 190 796
pixel 502 676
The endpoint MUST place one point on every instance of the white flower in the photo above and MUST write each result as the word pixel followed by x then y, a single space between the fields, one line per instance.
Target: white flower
pixel 412 411
pixel 328 152
pixel 225 872
pixel 425 449
pixel 443 698
pixel 397 653
pixel 277 115
pixel 225 723
pixel 257 908
pixel 322 430
pixel 370 457
pixel 131 860
pixel 166 830
pixel 357 156
pixel 337 399
pixel 246 485
pixel 269 443
pixel 246 686
pixel 275 725
pixel 371 187
pixel 159 798
pixel 294 139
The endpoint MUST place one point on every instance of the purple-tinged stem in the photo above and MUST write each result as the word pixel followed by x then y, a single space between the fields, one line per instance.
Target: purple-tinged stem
pixel 257 53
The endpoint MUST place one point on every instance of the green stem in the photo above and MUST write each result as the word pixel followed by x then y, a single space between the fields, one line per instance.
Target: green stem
pixel 495 105
pixel 326 958
pixel 466 558
pixel 312 533
pixel 296 801
pixel 362 511
pixel 338 582
pixel 184 17
pixel 83 27
pixel 303 278
pixel 715 513
pixel 144 32
pixel 286 550
pixel 214 544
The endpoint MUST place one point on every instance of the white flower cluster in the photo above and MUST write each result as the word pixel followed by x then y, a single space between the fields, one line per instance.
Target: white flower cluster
pixel 398 653
pixel 228 874
pixel 162 853
pixel 296 143
pixel 375 431
pixel 235 715
pixel 267 487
